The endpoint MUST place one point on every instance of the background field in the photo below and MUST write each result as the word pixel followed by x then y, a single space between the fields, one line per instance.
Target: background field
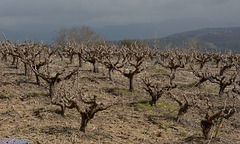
pixel 26 111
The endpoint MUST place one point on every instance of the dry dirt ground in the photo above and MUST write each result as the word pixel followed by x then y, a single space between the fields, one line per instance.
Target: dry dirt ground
pixel 26 111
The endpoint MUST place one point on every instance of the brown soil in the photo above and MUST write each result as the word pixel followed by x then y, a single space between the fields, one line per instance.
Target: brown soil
pixel 26 111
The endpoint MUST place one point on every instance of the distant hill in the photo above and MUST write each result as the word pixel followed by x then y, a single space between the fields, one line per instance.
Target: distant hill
pixel 172 31
pixel 114 32
pixel 24 35
pixel 211 38
pixel 150 30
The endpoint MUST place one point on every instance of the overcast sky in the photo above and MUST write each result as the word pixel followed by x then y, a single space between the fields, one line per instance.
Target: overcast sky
pixel 98 13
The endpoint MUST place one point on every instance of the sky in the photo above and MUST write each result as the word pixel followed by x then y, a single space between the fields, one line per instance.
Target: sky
pixel 27 14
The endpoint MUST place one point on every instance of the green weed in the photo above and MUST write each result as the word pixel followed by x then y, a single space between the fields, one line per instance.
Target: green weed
pixel 35 94
pixel 144 106
pixel 167 106
pixel 62 62
pixel 190 84
pixel 159 71
pixel 122 90
pixel 165 126
pixel 144 131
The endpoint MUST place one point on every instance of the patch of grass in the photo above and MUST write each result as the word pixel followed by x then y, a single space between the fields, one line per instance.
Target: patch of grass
pixel 159 71
pixel 171 107
pixel 122 90
pixel 161 105
pixel 35 94
pixel 73 110
pixel 144 131
pixel 144 106
pixel 190 84
pixel 41 79
pixel 152 112
pixel 167 106
pixel 165 126
pixel 46 94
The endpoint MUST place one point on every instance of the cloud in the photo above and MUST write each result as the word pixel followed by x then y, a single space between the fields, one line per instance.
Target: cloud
pixel 106 12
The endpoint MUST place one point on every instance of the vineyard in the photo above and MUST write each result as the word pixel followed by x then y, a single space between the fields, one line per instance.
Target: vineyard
pixel 107 93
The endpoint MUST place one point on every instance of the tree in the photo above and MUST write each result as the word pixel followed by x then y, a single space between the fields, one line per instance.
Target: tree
pixel 20 50
pixel 173 59
pixel 53 73
pixel 133 61
pixel 93 53
pixel 184 105
pixel 3 48
pixel 66 37
pixel 126 43
pixel 156 90
pixel 69 95
pixel 224 76
pixel 215 117
pixel 111 58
